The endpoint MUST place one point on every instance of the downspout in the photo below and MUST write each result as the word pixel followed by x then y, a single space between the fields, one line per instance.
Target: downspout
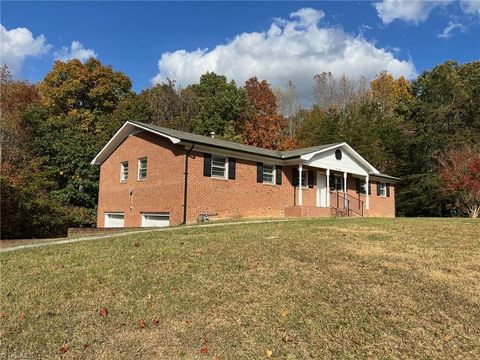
pixel 185 190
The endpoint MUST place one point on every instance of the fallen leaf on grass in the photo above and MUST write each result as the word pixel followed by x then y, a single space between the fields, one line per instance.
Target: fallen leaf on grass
pixel 63 349
pixel 21 317
pixel 155 321
pixel 447 338
pixel 137 244
pixel 104 312
pixel 188 322
pixel 2 315
pixel 287 338
pixel 141 323
pixel 284 312
pixel 204 349
pixel 86 345
pixel 269 353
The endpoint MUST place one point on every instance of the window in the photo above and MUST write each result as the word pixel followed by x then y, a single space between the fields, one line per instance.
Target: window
pixel 382 189
pixel 304 177
pixel 219 167
pixel 338 182
pixel 338 154
pixel 361 186
pixel 124 171
pixel 268 174
pixel 142 169
pixel 155 219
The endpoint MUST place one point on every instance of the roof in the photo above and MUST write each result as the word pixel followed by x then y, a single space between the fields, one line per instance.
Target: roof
pixel 209 141
pixel 181 137
pixel 230 145
pixel 385 176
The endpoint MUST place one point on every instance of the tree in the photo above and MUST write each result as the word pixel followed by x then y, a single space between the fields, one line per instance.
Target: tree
pixel 266 128
pixel 390 93
pixel 460 172
pixel 330 91
pixel 444 114
pixel 26 209
pixel 82 107
pixel 288 105
pixel 221 107
pixel 170 106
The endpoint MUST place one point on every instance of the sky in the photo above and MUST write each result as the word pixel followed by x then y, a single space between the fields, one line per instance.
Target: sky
pixel 277 41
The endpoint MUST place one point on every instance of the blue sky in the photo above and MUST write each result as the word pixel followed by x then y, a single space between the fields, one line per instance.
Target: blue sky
pixel 278 41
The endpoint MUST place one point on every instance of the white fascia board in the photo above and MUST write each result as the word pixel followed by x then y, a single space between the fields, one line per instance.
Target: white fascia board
pixel 121 135
pixel 356 155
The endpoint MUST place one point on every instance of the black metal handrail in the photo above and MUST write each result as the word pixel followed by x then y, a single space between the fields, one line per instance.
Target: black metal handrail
pixel 346 203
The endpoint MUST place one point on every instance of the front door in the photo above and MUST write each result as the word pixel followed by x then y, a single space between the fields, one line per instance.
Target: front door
pixel 321 189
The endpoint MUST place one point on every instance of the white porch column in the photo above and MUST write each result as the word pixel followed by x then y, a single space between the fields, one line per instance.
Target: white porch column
pixel 367 197
pixel 345 182
pixel 328 187
pixel 300 199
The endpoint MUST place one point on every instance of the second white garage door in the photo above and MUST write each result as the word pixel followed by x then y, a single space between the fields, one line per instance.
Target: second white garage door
pixel 155 219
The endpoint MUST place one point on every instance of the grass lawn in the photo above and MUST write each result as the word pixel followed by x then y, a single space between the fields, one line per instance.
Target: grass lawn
pixel 327 288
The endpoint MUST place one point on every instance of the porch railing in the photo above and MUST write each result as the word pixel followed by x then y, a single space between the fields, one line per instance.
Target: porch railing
pixel 346 203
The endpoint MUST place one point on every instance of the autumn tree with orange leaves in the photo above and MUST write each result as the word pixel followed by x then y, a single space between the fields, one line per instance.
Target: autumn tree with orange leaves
pixel 266 128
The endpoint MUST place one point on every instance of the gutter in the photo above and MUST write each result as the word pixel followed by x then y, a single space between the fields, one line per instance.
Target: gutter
pixel 185 190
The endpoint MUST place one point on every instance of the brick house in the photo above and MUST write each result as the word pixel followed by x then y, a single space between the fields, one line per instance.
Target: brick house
pixel 153 176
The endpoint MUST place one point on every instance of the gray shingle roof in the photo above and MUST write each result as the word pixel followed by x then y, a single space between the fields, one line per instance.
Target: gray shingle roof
pixel 209 141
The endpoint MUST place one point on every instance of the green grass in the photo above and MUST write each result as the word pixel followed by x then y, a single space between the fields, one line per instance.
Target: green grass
pixel 328 288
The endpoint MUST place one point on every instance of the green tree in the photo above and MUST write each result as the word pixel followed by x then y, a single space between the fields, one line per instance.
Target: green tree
pixel 26 207
pixel 444 115
pixel 221 107
pixel 170 106
pixel 83 104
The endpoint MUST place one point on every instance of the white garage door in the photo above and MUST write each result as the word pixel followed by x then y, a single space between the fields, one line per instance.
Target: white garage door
pixel 114 220
pixel 153 220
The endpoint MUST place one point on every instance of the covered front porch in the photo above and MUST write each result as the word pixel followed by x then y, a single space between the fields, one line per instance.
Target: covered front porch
pixel 326 192
pixel 331 182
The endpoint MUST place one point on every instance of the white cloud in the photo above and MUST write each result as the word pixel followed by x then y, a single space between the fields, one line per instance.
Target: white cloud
pixel 417 11
pixel 447 32
pixel 470 6
pixel 295 49
pixel 414 11
pixel 75 51
pixel 19 43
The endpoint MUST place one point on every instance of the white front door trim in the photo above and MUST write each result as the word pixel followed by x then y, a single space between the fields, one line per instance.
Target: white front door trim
pixel 321 189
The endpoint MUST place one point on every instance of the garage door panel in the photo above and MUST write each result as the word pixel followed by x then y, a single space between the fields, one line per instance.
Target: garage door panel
pixel 114 220
pixel 155 220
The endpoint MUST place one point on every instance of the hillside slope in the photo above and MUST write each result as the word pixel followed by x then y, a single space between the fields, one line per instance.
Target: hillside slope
pixel 303 289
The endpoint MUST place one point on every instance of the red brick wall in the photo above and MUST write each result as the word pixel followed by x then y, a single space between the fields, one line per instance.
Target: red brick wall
pixel 163 189
pixel 240 197
pixel 380 206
